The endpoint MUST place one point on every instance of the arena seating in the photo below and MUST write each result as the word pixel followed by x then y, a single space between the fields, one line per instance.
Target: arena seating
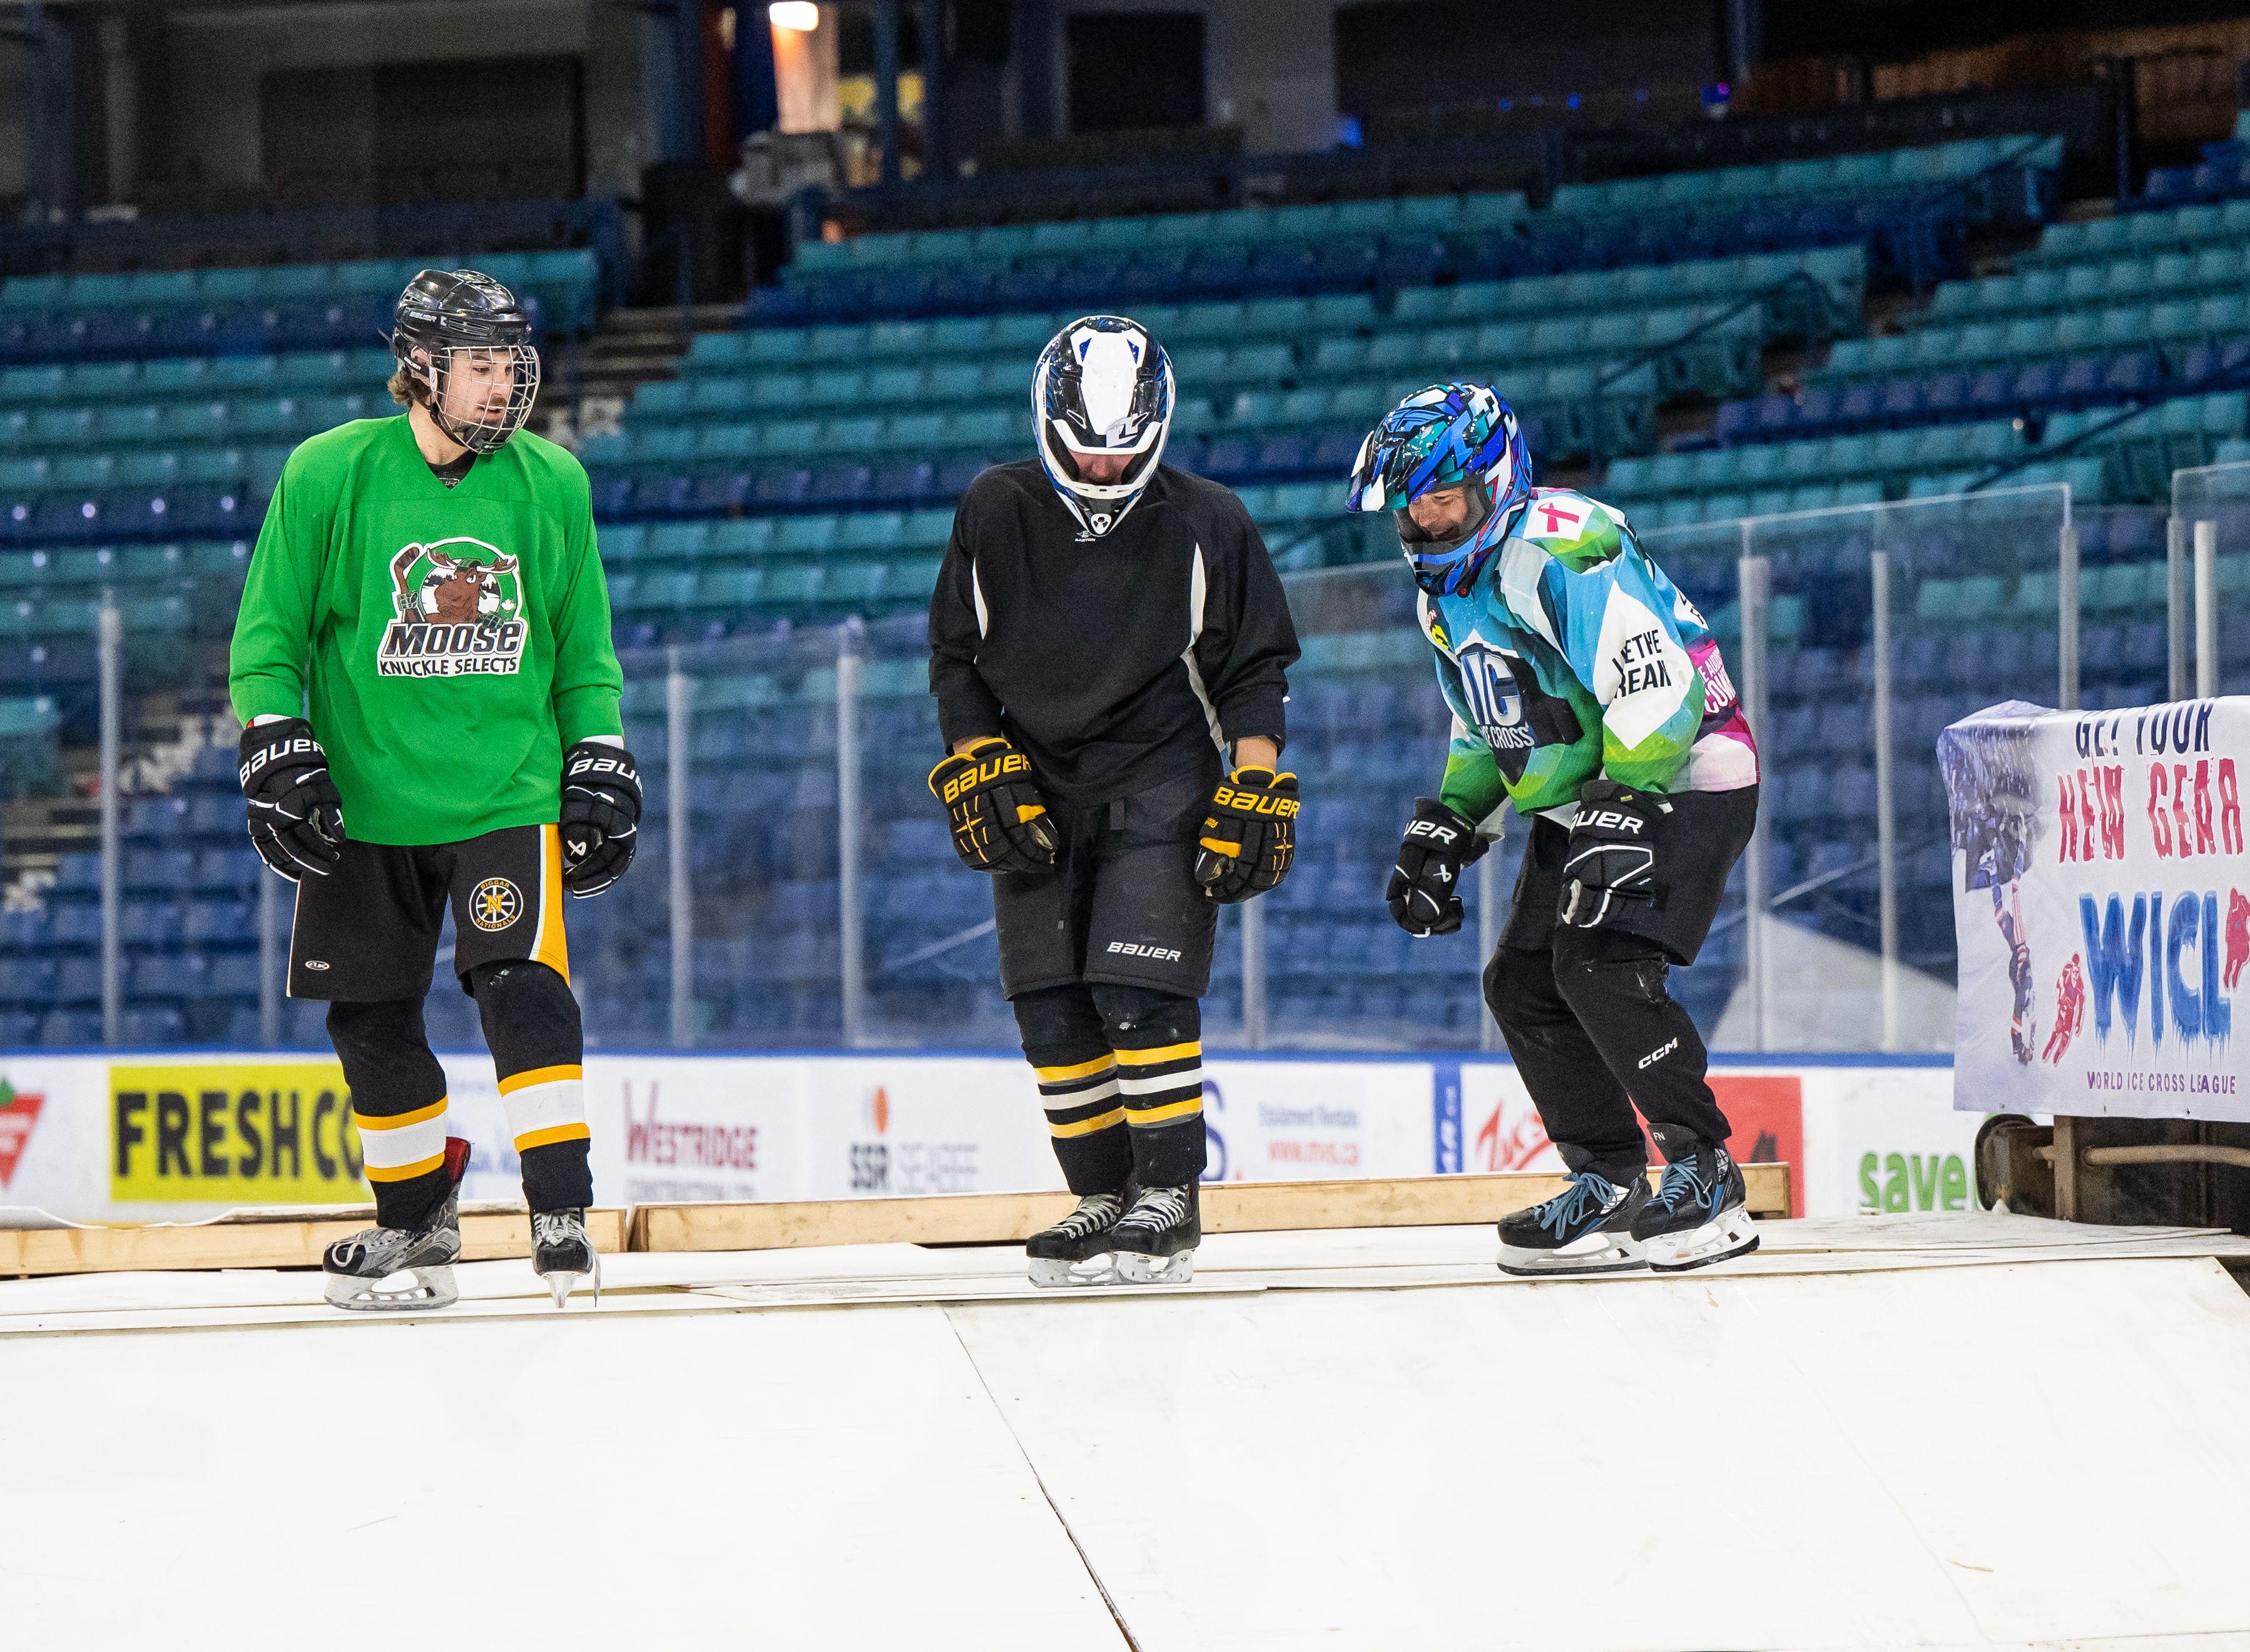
pixel 2116 348
pixel 804 468
pixel 259 310
pixel 1908 206
pixel 1281 388
pixel 2225 171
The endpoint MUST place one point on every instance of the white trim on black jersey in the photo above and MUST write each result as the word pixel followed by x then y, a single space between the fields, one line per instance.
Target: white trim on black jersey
pixel 1198 590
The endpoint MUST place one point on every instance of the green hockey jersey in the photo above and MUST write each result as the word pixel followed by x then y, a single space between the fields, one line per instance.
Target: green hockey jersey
pixel 453 643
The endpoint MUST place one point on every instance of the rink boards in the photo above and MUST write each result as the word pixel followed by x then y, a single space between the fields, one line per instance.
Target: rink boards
pixel 1980 1431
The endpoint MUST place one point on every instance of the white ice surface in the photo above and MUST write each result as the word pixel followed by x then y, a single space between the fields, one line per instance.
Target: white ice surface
pixel 1945 1432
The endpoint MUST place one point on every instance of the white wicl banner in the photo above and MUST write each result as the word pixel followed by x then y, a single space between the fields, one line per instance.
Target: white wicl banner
pixel 2101 900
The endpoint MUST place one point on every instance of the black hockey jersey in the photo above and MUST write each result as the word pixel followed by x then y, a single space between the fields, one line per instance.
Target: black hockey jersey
pixel 1114 663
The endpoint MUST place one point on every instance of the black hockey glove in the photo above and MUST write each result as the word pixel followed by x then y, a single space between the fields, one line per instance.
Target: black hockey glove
pixel 1610 876
pixel 601 816
pixel 296 815
pixel 1000 822
pixel 1250 836
pixel 1424 894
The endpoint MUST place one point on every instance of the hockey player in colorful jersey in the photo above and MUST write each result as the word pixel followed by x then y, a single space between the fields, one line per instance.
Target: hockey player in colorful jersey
pixel 1588 692
pixel 423 668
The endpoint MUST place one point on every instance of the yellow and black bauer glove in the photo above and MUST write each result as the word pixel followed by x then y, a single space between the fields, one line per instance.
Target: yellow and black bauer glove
pixel 1250 836
pixel 1000 822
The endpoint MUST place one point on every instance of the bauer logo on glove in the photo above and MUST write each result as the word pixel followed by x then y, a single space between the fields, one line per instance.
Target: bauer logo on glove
pixel 1250 836
pixel 601 816
pixel 999 821
pixel 1424 894
pixel 296 815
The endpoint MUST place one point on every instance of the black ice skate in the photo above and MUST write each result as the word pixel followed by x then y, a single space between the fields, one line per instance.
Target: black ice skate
pixel 1077 1250
pixel 561 1253
pixel 1157 1237
pixel 1701 1213
pixel 402 1269
pixel 1586 1228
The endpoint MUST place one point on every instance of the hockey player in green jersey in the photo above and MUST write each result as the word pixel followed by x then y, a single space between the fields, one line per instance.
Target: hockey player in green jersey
pixel 423 668
pixel 1587 691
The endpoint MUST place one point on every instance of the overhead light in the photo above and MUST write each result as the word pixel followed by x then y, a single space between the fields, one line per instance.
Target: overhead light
pixel 801 17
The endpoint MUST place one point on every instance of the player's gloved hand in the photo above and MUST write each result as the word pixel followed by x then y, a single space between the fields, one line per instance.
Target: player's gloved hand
pixel 296 815
pixel 1610 875
pixel 1000 822
pixel 1250 836
pixel 601 815
pixel 1424 893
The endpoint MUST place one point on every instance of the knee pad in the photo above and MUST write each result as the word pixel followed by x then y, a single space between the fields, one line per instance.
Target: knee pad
pixel 386 1056
pixel 1142 1017
pixel 1514 977
pixel 1060 1026
pixel 530 1019
pixel 371 1032
pixel 1594 969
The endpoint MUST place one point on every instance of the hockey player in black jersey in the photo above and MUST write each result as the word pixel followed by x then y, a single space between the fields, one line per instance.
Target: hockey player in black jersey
pixel 1108 642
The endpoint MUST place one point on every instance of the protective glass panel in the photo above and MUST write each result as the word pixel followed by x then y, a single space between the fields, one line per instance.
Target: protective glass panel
pixel 2220 495
pixel 1972 589
pixel 1367 730
pixel 187 880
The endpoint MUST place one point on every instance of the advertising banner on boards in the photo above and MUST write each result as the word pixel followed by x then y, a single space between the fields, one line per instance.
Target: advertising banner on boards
pixel 188 1136
pixel 2101 905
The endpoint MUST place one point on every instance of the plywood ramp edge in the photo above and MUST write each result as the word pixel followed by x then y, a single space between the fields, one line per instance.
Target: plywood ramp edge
pixel 1228 1207
pixel 260 1239
pixel 296 1237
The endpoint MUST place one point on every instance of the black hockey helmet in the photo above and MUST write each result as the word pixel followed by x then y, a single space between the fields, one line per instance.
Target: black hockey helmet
pixel 442 315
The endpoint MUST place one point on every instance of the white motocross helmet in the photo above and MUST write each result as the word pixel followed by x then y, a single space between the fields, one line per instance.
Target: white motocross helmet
pixel 1102 386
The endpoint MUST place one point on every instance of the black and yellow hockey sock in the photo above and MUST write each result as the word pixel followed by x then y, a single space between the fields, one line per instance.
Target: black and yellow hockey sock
pixel 1158 1042
pixel 531 1026
pixel 1069 1053
pixel 398 1105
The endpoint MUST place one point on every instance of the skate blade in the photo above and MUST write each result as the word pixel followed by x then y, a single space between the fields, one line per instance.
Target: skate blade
pixel 1133 1268
pixel 1622 1258
pixel 1052 1273
pixel 408 1290
pixel 1733 1235
pixel 564 1280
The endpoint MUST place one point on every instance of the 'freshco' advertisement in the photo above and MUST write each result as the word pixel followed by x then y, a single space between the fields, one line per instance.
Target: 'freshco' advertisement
pixel 187 1136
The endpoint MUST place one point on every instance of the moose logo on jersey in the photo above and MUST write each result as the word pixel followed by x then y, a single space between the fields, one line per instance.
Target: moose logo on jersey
pixel 459 604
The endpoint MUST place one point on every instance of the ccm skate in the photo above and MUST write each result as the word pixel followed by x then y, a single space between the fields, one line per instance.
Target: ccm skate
pixel 1701 1213
pixel 1586 1228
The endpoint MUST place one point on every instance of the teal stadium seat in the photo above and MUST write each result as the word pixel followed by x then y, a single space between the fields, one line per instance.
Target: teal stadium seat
pixel 793 583
pixel 728 587
pixel 681 542
pixel 743 538
pixel 620 543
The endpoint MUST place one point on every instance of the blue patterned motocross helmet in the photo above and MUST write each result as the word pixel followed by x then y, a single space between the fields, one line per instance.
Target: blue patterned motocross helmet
pixel 1446 436
pixel 1103 386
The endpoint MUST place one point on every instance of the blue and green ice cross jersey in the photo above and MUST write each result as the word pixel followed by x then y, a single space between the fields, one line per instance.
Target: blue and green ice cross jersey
pixel 1573 656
